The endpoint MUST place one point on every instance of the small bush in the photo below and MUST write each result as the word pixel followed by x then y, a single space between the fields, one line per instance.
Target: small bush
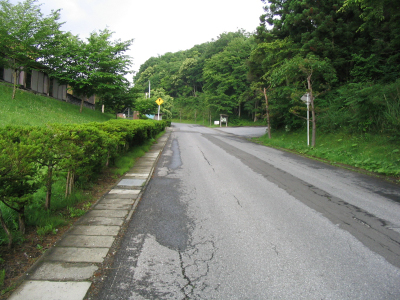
pixel 76 212
pixel 48 229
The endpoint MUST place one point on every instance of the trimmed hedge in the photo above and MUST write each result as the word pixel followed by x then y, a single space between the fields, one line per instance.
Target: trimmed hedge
pixel 29 155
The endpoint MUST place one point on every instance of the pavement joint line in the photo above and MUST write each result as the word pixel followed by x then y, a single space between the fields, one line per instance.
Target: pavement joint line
pixel 48 283
pixel 122 191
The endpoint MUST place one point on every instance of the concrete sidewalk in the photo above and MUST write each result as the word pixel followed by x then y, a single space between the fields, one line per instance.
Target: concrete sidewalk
pixel 65 271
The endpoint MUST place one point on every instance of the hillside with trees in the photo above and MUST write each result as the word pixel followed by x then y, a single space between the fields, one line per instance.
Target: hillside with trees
pixel 345 54
pixel 97 65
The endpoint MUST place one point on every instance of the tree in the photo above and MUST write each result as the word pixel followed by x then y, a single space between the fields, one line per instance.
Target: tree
pixel 97 66
pixel 166 107
pixel 299 70
pixel 264 60
pixel 225 75
pixel 25 35
pixel 378 22
pixel 146 106
pixel 18 180
pixel 120 99
pixel 316 27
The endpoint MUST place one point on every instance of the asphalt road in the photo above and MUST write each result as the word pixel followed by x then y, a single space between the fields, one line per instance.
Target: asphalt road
pixel 224 218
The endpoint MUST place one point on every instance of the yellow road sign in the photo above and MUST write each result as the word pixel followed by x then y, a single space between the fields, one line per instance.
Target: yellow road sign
pixel 159 101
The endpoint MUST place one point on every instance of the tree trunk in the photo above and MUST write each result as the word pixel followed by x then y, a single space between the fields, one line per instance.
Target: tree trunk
pixel 8 232
pixel 314 123
pixel 70 184
pixel 266 102
pixel 255 112
pixel 15 83
pixel 48 186
pixel 82 101
pixel 21 220
pixel 67 186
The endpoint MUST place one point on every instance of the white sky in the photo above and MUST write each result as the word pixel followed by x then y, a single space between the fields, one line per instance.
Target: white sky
pixel 157 26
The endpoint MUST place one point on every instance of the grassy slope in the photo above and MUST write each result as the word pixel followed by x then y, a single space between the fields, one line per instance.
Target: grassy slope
pixel 374 153
pixel 30 109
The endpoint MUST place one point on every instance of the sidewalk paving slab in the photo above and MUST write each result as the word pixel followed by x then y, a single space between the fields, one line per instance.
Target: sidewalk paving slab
pixel 121 191
pixel 112 213
pixel 86 241
pixel 101 221
pixel 116 196
pixel 120 206
pixel 95 230
pixel 50 290
pixel 64 271
pixel 74 254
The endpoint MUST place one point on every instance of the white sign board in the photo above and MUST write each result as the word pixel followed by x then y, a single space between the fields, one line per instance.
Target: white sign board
pixel 216 122
pixel 306 98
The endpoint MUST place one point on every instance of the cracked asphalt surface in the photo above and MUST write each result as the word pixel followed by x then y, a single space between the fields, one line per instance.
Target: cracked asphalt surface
pixel 224 218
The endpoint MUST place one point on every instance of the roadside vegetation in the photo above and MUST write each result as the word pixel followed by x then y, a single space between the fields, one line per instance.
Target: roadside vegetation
pixel 377 154
pixel 53 166
pixel 44 227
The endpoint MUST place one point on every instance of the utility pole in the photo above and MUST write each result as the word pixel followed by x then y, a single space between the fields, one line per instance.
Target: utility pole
pixel 149 88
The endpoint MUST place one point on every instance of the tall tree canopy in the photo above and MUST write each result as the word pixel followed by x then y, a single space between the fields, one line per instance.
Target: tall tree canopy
pixel 26 36
pixel 97 66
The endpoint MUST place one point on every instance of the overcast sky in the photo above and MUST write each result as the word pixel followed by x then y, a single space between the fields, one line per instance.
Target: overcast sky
pixel 157 26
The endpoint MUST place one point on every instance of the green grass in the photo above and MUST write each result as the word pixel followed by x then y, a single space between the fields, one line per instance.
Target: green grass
pixel 30 109
pixel 125 162
pixel 373 153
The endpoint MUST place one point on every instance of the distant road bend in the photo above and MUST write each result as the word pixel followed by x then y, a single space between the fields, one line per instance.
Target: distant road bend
pixel 225 218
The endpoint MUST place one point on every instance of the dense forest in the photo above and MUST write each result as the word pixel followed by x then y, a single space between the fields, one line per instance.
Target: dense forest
pixel 344 53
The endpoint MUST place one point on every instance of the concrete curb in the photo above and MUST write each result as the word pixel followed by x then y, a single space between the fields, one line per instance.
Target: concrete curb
pixel 66 270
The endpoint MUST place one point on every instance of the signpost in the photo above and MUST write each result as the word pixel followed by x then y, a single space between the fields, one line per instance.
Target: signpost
pixel 223 118
pixel 306 99
pixel 159 101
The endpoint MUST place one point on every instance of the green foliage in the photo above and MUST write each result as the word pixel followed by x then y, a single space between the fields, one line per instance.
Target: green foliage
pixel 363 107
pixel 208 79
pixel 33 154
pixel 18 171
pixel 25 35
pixel 97 66
pixel 76 212
pixel 146 106
pixel 225 76
pixel 375 153
pixel 47 229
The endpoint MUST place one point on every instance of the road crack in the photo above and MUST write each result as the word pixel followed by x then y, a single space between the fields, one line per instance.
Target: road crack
pixel 207 160
pixel 187 289
pixel 238 202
